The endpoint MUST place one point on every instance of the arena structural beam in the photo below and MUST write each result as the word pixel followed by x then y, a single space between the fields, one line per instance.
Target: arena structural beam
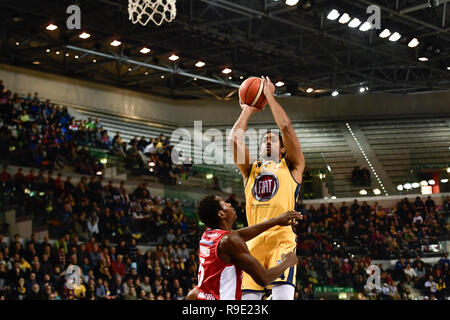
pixel 153 66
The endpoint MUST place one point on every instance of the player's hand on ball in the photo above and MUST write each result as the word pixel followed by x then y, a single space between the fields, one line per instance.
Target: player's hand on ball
pixel 269 87
pixel 289 218
pixel 291 258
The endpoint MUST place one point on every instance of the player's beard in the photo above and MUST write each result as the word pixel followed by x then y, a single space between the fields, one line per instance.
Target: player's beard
pixel 268 154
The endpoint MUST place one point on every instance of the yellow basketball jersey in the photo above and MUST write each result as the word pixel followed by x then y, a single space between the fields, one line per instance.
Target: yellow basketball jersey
pixel 270 191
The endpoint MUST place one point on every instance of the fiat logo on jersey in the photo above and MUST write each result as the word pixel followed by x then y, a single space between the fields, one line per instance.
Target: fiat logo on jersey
pixel 265 186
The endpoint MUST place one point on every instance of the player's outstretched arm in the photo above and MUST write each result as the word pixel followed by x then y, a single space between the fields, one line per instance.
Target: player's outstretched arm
pixel 294 153
pixel 234 247
pixel 286 219
pixel 236 141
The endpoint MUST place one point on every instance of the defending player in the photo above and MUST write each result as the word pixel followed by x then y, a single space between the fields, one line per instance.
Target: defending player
pixel 223 253
pixel 271 188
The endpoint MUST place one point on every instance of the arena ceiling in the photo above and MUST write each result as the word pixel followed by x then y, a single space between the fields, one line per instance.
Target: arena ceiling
pixel 295 45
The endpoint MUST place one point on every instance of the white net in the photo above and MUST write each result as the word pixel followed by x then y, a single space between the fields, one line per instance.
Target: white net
pixel 158 11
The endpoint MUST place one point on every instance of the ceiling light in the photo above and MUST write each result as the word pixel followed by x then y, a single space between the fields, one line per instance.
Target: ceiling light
pixel 145 50
pixel 423 183
pixel 84 35
pixel 94 61
pixel 407 186
pixel 195 79
pixel 146 73
pixel 345 18
pixel 448 68
pixel 415 185
pixel 376 191
pixel 116 43
pixel 36 62
pixel 242 77
pixel 444 180
pixel 423 59
pixel 365 26
pixel 51 27
pixel 413 43
pixel 17 43
pixel 76 57
pixel 363 192
pixel 448 170
pixel 200 64
pixel 333 197
pixel 226 71
pixel 291 2
pixel 279 84
pixel 333 15
pixel 431 182
pixel 335 93
pixel 362 89
pixel 48 50
pixel 310 90
pixel 400 187
pixel 230 78
pixel 57 52
pixel 129 69
pixel 67 54
pixel 395 37
pixel 174 57
pixel 385 33
pixel 162 77
pixel 354 23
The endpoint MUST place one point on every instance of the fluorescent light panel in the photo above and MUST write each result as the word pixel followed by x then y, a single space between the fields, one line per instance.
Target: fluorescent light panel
pixel 51 27
pixel 413 43
pixel 333 15
pixel 395 37
pixel 366 26
pixel 84 35
pixel 116 43
pixel 354 23
pixel 200 64
pixel 385 33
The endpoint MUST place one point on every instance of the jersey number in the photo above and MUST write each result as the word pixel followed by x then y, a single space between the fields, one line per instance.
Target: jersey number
pixel 201 271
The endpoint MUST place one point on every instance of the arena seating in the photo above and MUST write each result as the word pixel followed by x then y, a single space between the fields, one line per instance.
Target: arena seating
pixel 403 144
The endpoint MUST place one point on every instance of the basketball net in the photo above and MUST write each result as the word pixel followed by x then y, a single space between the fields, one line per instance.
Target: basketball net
pixel 158 11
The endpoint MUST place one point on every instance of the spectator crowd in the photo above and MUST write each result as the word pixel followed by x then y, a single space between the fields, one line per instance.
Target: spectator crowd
pixel 37 269
pixel 43 135
pixel 92 208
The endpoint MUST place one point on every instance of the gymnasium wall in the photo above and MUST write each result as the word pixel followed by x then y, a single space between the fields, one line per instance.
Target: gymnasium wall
pixel 105 98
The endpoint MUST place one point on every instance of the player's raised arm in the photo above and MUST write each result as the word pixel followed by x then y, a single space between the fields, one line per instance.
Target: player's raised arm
pixel 236 141
pixel 234 246
pixel 286 219
pixel 294 153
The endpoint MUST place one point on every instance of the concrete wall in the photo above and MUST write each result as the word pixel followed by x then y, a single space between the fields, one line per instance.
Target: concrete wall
pixel 69 91
pixel 22 226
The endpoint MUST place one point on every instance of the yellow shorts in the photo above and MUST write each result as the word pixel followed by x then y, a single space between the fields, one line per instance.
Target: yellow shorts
pixel 267 248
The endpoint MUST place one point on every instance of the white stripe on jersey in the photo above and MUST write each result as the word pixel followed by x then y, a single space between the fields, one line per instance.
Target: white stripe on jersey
pixel 228 283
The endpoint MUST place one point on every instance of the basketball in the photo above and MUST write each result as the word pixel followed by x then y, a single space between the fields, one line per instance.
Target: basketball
pixel 251 93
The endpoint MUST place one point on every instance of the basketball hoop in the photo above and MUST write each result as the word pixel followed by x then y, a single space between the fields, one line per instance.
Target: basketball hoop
pixel 158 11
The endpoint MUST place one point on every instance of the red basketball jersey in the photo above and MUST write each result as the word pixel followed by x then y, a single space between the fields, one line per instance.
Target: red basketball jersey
pixel 216 279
